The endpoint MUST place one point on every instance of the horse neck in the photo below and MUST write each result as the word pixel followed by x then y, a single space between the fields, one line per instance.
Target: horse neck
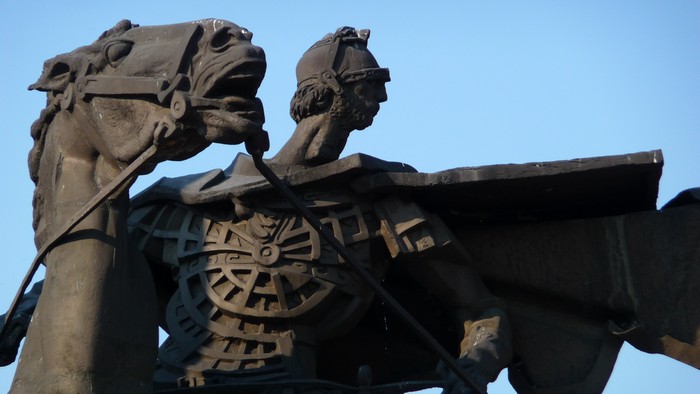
pixel 68 179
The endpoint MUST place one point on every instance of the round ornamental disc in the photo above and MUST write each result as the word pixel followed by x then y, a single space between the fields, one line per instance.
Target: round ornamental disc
pixel 253 290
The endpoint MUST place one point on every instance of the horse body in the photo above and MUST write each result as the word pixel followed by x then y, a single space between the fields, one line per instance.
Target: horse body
pixel 95 326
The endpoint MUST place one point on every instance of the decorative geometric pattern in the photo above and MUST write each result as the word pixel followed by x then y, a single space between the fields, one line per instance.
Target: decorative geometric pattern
pixel 243 284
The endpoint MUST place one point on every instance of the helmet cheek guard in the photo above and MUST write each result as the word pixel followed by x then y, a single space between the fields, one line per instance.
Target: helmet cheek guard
pixel 329 79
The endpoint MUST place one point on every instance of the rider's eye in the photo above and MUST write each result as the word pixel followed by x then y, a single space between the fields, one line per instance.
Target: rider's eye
pixel 222 39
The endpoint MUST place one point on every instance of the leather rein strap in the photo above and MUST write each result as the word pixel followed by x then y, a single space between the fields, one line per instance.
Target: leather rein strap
pixel 122 179
pixel 388 300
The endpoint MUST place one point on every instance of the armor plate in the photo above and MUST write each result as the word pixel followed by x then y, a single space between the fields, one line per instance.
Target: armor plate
pixel 245 286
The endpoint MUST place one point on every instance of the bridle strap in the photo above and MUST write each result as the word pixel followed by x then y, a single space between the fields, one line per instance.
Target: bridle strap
pixel 162 88
pixel 124 177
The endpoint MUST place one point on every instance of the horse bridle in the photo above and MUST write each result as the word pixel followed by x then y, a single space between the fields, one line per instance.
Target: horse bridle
pixel 172 90
pixel 167 92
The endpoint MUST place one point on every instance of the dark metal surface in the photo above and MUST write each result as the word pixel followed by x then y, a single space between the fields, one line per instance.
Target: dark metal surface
pixel 126 176
pixel 366 276
pixel 301 386
pixel 182 87
pixel 574 254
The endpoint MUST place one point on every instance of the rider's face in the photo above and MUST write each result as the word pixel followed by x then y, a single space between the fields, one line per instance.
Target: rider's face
pixel 355 109
pixel 364 97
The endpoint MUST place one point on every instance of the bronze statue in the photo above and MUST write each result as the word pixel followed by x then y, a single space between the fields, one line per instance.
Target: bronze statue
pixel 544 268
pixel 137 94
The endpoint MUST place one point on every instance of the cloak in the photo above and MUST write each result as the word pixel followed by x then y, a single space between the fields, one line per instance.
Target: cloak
pixel 578 188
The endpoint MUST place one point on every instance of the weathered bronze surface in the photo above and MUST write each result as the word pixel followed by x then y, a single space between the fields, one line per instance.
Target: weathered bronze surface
pixel 543 268
pixel 178 88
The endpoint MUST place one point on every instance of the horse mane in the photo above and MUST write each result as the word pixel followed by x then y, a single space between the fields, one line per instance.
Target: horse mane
pixel 74 60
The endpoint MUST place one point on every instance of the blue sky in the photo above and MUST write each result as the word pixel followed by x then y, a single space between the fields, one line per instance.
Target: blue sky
pixel 473 83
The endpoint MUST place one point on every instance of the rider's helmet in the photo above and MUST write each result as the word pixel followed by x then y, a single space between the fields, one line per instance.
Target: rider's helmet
pixel 339 59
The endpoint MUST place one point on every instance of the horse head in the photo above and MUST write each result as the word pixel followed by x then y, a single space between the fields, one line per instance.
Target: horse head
pixel 201 76
pixel 194 83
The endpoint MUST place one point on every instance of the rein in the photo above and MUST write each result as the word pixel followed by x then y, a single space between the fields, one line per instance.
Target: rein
pixel 163 130
pixel 174 95
pixel 388 300
pixel 172 92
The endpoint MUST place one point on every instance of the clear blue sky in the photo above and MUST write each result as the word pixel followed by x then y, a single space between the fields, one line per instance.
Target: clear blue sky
pixel 473 83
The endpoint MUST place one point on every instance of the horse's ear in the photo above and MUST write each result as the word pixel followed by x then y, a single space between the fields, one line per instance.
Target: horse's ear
pixel 56 76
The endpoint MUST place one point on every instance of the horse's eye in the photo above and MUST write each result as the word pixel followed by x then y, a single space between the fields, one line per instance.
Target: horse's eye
pixel 115 51
pixel 222 39
pixel 58 70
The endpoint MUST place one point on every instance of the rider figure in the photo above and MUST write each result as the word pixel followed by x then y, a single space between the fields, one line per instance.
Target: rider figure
pixel 339 88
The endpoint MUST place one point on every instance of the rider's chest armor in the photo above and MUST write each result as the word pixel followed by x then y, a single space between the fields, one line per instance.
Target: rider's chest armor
pixel 245 286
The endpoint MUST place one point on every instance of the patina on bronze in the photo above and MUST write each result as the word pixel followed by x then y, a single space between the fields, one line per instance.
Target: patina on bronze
pixel 136 96
pixel 574 255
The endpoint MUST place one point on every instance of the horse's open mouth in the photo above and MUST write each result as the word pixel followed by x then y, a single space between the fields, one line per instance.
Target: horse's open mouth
pixel 250 109
pixel 238 79
pixel 243 86
pixel 235 86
